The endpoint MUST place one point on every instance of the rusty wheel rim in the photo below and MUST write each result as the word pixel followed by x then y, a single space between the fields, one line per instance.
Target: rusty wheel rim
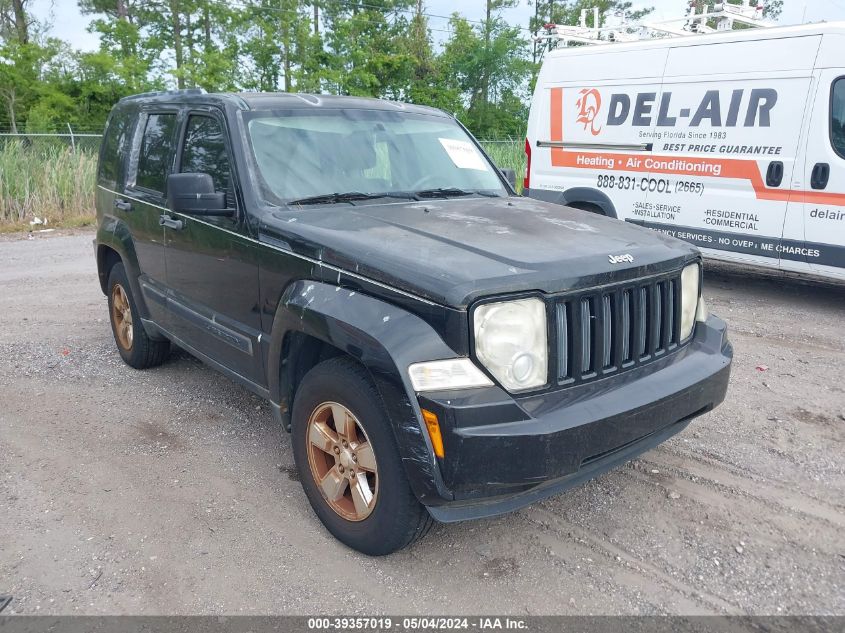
pixel 342 461
pixel 121 315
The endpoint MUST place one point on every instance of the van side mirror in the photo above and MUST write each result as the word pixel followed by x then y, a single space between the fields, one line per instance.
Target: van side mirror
pixel 194 194
pixel 509 175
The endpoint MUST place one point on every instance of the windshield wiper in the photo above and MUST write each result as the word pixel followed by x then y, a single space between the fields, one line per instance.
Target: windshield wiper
pixel 350 196
pixel 448 192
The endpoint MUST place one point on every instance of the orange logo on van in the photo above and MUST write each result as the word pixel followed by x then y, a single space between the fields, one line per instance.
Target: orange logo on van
pixel 588 106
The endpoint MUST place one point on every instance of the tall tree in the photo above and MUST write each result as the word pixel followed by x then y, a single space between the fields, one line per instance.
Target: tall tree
pixel 278 43
pixel 15 21
pixel 23 53
pixel 364 44
pixel 489 64
pixel 122 27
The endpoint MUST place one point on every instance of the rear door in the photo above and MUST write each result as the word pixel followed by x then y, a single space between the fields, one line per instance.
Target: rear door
pixel 143 201
pixel 823 195
pixel 212 268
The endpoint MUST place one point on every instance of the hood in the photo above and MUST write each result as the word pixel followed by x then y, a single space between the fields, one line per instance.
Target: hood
pixel 457 250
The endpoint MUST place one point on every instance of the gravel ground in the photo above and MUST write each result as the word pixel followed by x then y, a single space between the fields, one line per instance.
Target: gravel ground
pixel 172 491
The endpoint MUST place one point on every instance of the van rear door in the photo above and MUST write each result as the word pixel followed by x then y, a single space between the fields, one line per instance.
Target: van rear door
pixel 822 191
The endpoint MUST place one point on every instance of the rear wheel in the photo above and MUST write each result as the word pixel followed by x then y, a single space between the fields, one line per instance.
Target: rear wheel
pixel 136 348
pixel 349 464
pixel 586 206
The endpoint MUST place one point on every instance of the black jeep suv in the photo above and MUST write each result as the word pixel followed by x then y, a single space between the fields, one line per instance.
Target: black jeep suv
pixel 439 347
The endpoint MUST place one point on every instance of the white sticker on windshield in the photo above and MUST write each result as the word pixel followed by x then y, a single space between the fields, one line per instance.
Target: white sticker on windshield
pixel 463 154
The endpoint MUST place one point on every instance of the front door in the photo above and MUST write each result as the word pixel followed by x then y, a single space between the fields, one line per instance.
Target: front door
pixel 212 268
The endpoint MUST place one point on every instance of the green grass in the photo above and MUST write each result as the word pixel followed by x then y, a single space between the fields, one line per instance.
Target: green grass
pixel 508 155
pixel 55 183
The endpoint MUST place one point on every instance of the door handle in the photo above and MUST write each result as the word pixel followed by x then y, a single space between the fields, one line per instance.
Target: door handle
pixel 166 220
pixel 122 205
pixel 774 175
pixel 820 176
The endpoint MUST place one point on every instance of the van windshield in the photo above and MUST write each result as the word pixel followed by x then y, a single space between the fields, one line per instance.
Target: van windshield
pixel 344 155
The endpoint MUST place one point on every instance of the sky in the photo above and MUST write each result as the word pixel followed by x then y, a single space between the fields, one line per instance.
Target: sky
pixel 68 24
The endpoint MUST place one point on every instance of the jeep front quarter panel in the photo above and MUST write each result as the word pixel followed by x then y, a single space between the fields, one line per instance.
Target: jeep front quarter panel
pixel 385 338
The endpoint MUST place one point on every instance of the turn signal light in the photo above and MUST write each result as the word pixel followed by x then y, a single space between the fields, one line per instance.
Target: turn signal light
pixel 433 426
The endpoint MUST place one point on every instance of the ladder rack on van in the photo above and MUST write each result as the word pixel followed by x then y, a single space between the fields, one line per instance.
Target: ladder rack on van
pixel 749 13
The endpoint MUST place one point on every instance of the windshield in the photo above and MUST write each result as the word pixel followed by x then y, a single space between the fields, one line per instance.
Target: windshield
pixel 344 155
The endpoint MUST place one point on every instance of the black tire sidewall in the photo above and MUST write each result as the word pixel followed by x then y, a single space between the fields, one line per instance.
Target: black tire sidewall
pixel 386 529
pixel 131 357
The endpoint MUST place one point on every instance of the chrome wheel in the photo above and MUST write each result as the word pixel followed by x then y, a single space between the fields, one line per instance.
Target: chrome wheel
pixel 121 315
pixel 342 461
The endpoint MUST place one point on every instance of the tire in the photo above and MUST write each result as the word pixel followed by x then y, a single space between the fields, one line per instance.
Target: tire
pixel 586 206
pixel 136 348
pixel 394 518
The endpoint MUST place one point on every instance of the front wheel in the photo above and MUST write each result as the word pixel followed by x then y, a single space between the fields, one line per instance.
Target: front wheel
pixel 349 464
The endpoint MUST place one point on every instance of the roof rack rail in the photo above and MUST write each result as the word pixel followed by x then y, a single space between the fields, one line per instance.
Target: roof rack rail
pixel 163 93
pixel 721 14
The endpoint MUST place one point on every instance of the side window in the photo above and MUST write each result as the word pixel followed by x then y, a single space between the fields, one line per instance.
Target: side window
pixel 115 147
pixel 837 116
pixel 156 152
pixel 205 152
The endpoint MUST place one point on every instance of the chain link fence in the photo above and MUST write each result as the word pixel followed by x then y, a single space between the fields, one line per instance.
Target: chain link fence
pixel 45 141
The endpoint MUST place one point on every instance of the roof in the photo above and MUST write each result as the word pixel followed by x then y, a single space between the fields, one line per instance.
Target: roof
pixel 740 35
pixel 278 100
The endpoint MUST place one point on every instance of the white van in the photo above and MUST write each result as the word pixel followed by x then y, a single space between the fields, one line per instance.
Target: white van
pixel 732 141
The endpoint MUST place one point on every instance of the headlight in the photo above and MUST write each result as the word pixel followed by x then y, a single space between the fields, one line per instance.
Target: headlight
pixel 511 342
pixel 690 291
pixel 703 312
pixel 442 375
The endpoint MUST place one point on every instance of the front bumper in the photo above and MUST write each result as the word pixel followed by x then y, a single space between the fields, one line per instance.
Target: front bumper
pixel 504 452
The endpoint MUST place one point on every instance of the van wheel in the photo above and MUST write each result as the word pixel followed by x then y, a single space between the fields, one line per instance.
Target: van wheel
pixel 349 464
pixel 136 348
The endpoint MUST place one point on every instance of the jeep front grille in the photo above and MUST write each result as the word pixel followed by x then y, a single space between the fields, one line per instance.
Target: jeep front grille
pixel 605 331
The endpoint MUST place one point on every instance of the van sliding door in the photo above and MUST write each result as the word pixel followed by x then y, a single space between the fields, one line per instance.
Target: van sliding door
pixel 731 128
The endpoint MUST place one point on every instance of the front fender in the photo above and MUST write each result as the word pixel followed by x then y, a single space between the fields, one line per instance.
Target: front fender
pixel 385 339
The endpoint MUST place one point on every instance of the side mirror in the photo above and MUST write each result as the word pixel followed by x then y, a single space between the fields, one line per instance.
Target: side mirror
pixel 510 176
pixel 194 194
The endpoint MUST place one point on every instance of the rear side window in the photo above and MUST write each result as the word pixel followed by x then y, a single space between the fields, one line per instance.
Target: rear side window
pixel 156 152
pixel 837 116
pixel 205 151
pixel 116 143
